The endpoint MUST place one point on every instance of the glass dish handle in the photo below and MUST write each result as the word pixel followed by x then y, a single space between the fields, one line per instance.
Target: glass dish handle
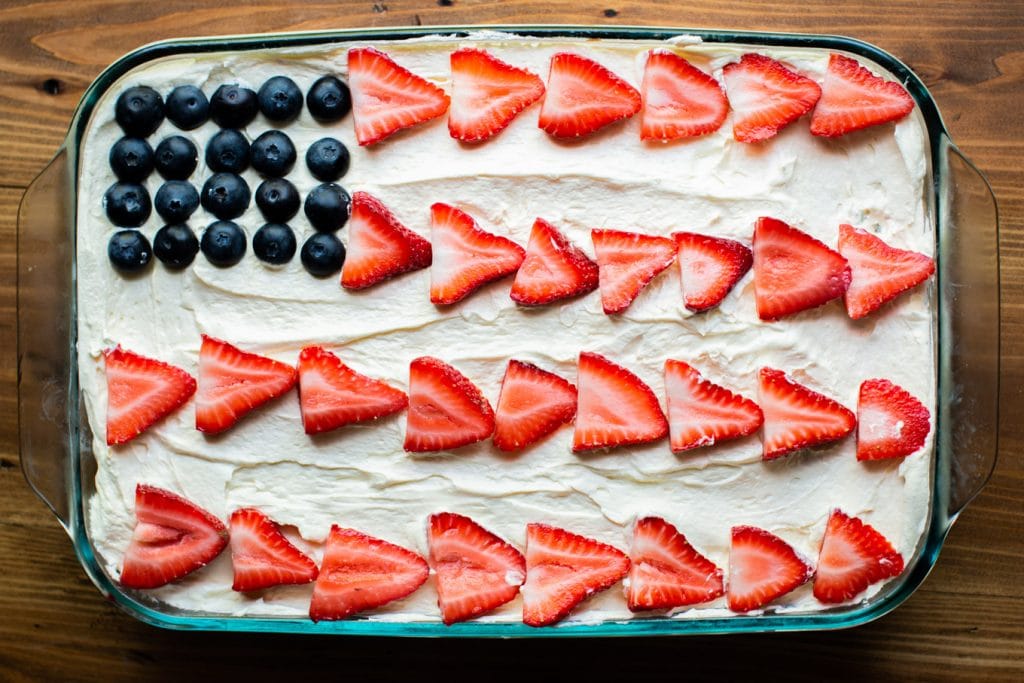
pixel 968 278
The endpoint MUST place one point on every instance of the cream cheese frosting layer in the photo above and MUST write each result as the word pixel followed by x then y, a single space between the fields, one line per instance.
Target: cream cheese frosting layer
pixel 360 477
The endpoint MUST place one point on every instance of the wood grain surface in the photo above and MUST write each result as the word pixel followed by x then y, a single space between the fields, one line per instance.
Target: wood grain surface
pixel 965 623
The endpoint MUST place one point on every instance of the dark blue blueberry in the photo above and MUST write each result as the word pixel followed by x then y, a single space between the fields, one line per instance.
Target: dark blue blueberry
pixel 131 159
pixel 233 106
pixel 127 204
pixel 273 154
pixel 176 157
pixel 175 245
pixel 327 159
pixel 323 254
pixel 176 201
pixel 139 111
pixel 225 195
pixel 327 207
pixel 228 151
pixel 129 250
pixel 280 99
pixel 278 199
pixel 274 243
pixel 223 243
pixel 328 99
pixel 187 107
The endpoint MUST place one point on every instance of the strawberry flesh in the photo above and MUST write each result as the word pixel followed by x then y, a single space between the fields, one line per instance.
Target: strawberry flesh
pixel 553 269
pixel 701 413
pixel 796 417
pixel 762 568
pixel 261 555
pixel 627 262
pixel 709 267
pixel 766 96
pixel 140 392
pixel 583 97
pixel 880 272
pixel 853 98
pixel 679 100
pixel 665 571
pixel 487 94
pixel 379 247
pixel 533 403
pixel 853 556
pixel 615 407
pixel 891 422
pixel 446 410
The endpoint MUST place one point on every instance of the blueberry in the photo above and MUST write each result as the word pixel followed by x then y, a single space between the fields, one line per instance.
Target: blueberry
pixel 139 111
pixel 176 200
pixel 323 254
pixel 176 157
pixel 175 245
pixel 327 207
pixel 131 159
pixel 223 243
pixel 280 99
pixel 327 159
pixel 127 204
pixel 328 99
pixel 274 243
pixel 278 199
pixel 187 107
pixel 233 106
pixel 273 154
pixel 228 151
pixel 129 250
pixel 225 195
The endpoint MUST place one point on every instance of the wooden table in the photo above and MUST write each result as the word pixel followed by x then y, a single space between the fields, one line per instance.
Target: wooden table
pixel 965 623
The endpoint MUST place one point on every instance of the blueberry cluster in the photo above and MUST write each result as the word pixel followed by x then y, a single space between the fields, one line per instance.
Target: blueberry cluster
pixel 140 111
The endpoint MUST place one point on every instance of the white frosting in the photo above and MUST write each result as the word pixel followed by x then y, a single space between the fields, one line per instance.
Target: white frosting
pixel 360 477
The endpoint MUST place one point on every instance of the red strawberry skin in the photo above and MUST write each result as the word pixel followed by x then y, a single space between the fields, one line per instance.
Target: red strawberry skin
pixel 446 410
pixel 140 392
pixel 379 247
pixel 891 422
pixel 762 568
pixel 853 98
pixel 879 272
pixel 582 97
pixel 615 407
pixel 679 100
pixel 487 94
pixel 554 269
pixel 766 96
pixel 665 571
pixel 709 267
pixel 533 403
pixel 261 555
pixel 627 262
pixel 853 556
pixel 701 413
pixel 796 417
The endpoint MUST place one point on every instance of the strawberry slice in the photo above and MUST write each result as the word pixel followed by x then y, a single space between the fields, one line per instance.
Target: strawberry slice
pixel 709 267
pixel 880 273
pixel 766 96
pixel 332 395
pixel 476 571
pixel 387 97
pixel 379 247
pixel 233 383
pixel 261 555
pixel 615 407
pixel 582 97
pixel 563 569
pixel 796 417
pixel 853 98
pixel 762 567
pixel 446 410
pixel 466 257
pixel 679 100
pixel 554 269
pixel 853 556
pixel 793 271
pixel 172 538
pixel 891 422
pixel 533 403
pixel 140 392
pixel 627 262
pixel 665 571
pixel 360 572
pixel 701 413
pixel 487 94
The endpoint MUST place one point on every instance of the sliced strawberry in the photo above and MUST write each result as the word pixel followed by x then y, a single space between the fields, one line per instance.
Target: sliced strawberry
pixel 466 257
pixel 360 572
pixel 796 417
pixel 476 571
pixel 261 555
pixel 853 556
pixel 554 269
pixel 615 407
pixel 332 395
pixel 627 262
pixel 793 271
pixel 387 97
pixel 880 273
pixel 563 569
pixel 533 403
pixel 679 100
pixel 233 383
pixel 379 247
pixel 446 410
pixel 762 567
pixel 172 538
pixel 487 94
pixel 665 571
pixel 582 97
pixel 709 267
pixel 766 96
pixel 853 98
pixel 701 413
pixel 140 392
pixel 891 422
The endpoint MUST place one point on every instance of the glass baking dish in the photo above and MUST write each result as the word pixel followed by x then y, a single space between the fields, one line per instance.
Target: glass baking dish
pixel 58 463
